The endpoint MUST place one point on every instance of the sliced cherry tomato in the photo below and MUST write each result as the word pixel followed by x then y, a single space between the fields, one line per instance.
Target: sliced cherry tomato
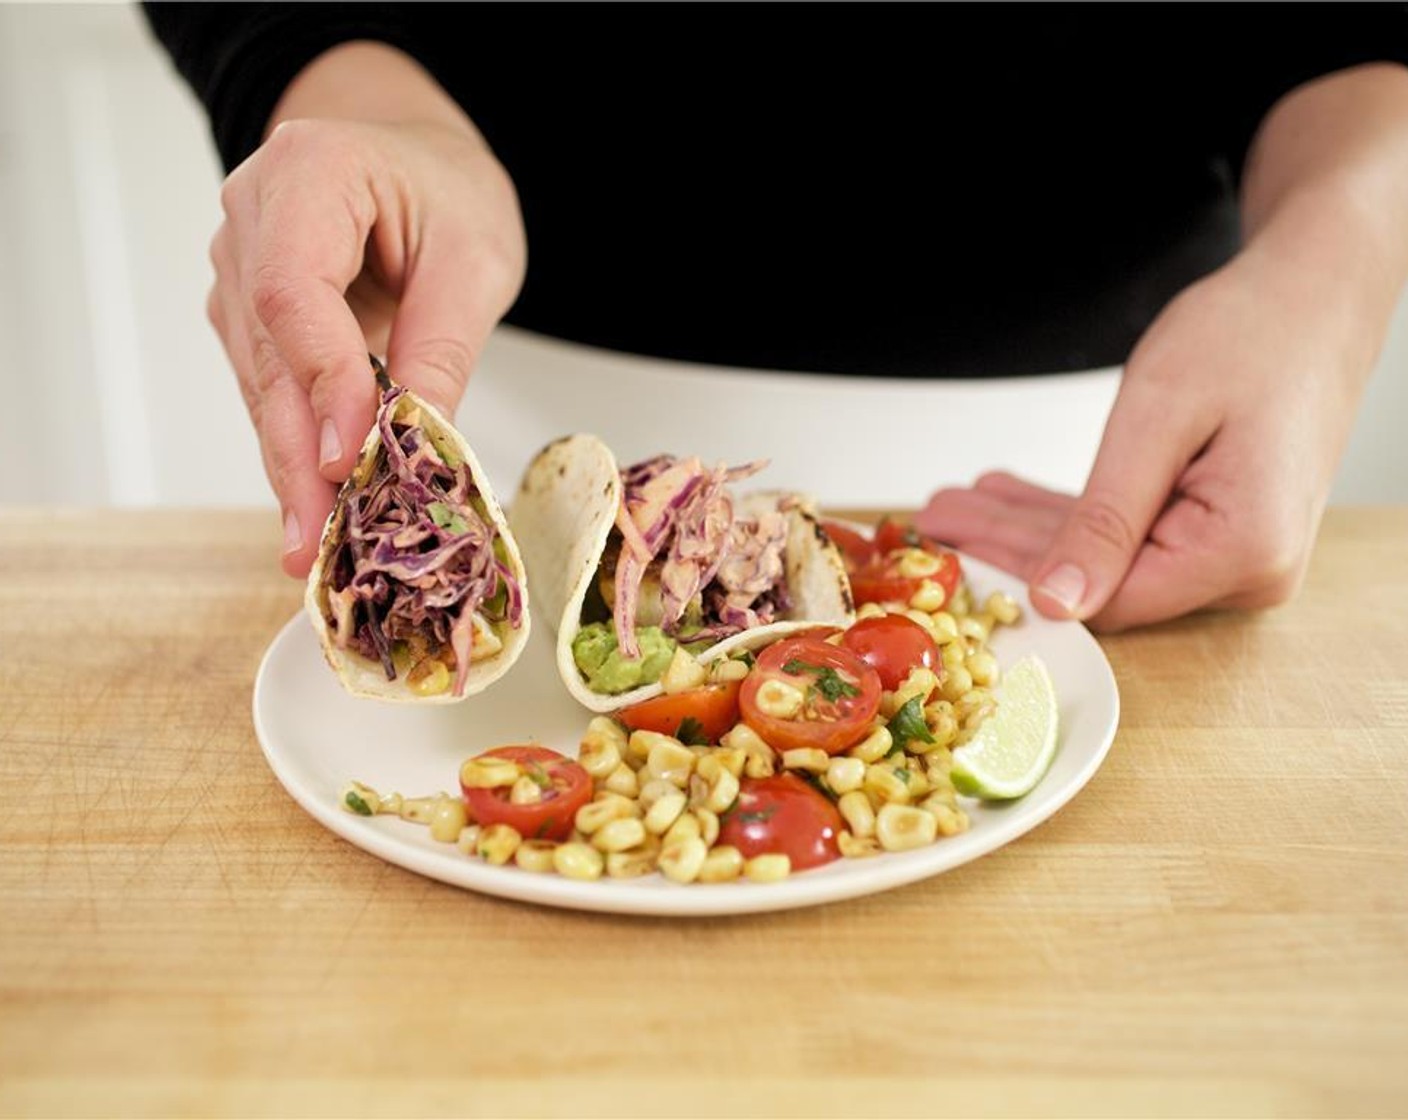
pixel 698 715
pixel 840 695
pixel 892 533
pixel 873 563
pixel 856 548
pixel 565 787
pixel 892 645
pixel 783 814
pixel 883 581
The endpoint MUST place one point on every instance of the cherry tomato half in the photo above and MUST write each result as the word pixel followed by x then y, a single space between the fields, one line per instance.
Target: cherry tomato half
pixel 873 563
pixel 857 550
pixel 704 714
pixel 840 695
pixel 892 645
pixel 783 814
pixel 565 787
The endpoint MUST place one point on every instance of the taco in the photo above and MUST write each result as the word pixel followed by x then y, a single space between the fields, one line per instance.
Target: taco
pixel 630 564
pixel 418 592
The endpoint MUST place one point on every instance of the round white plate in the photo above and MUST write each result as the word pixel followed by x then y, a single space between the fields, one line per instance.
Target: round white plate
pixel 317 738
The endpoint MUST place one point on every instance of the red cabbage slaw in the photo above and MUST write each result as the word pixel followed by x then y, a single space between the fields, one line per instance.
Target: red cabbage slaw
pixel 677 521
pixel 417 560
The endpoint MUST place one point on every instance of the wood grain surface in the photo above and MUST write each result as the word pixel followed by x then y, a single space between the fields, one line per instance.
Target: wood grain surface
pixel 1217 925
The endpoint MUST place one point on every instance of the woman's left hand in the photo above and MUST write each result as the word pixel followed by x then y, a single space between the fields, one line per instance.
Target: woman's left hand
pixel 1212 475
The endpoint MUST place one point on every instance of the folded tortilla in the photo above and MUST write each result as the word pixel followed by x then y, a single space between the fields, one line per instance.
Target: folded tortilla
pixel 576 513
pixel 419 592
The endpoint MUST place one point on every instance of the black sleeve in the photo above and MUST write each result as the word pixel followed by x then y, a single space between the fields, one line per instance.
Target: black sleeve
pixel 238 58
pixel 1278 47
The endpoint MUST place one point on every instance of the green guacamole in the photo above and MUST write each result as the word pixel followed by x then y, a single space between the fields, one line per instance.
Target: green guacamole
pixel 600 662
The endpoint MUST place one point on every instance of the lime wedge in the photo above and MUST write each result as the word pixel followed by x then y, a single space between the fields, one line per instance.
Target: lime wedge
pixel 1013 748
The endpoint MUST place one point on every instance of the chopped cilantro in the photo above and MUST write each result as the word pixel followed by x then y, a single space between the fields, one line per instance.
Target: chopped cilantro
pixel 357 804
pixel 827 680
pixel 691 733
pixel 908 723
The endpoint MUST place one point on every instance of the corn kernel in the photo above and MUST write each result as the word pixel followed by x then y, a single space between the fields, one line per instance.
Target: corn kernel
pixel 1002 607
pixel 525 791
pixel 708 826
pixel 448 819
pixel 618 835
pixel 664 812
pixel 857 847
pixel 489 773
pixel 535 855
pixel 722 864
pixel 602 810
pixel 812 759
pixel 844 774
pixel 770 867
pixel 669 759
pixel 497 843
pixel 929 598
pixel 468 839
pixel 857 811
pixel 682 673
pixel 723 670
pixel 630 864
pixel 902 827
pixel 884 783
pixel 622 780
pixel 874 746
pixel 681 862
pixel 779 699
pixel 915 563
pixel 723 792
pixel 578 861
pixel 686 827
pixel 601 750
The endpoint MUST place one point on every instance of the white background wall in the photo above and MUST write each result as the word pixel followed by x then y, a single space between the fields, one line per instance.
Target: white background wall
pixel 116 391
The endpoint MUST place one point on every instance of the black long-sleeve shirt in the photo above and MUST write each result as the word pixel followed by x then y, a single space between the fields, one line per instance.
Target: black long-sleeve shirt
pixel 902 189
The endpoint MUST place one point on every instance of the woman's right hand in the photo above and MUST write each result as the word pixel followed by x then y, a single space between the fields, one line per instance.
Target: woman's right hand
pixel 399 235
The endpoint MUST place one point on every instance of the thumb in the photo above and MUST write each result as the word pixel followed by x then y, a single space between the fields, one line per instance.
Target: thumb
pixel 450 304
pixel 1142 455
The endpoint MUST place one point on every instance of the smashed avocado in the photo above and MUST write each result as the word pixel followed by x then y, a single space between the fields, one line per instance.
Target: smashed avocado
pixel 595 651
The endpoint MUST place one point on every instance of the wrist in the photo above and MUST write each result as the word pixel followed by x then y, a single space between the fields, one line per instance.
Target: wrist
pixel 367 81
pixel 1326 257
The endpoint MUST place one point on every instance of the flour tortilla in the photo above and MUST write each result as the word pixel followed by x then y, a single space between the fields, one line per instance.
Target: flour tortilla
pixel 361 676
pixel 563 514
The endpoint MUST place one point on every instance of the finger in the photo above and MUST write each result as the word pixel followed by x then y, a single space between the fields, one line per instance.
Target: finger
pixel 1005 485
pixel 1195 560
pixel 1018 562
pixel 1145 449
pixel 306 258
pixel 455 292
pixel 969 518
pixel 286 428
pixel 299 216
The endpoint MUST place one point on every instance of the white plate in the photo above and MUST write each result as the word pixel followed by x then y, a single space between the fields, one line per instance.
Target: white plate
pixel 317 738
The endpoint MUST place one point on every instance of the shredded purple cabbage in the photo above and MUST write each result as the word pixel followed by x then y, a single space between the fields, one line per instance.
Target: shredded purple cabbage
pixel 698 550
pixel 417 560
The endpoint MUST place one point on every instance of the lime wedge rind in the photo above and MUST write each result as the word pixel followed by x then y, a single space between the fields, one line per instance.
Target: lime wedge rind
pixel 1012 751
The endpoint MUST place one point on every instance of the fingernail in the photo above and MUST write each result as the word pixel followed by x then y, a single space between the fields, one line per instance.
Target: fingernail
pixel 329 446
pixel 293 534
pixel 1065 584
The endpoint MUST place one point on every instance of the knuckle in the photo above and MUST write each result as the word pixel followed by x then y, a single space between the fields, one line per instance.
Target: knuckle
pixel 266 363
pixel 1271 566
pixel 1098 518
pixel 274 296
pixel 442 366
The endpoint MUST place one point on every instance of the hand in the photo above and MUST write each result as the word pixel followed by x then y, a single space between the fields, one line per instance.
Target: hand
pixel 342 237
pixel 1212 475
